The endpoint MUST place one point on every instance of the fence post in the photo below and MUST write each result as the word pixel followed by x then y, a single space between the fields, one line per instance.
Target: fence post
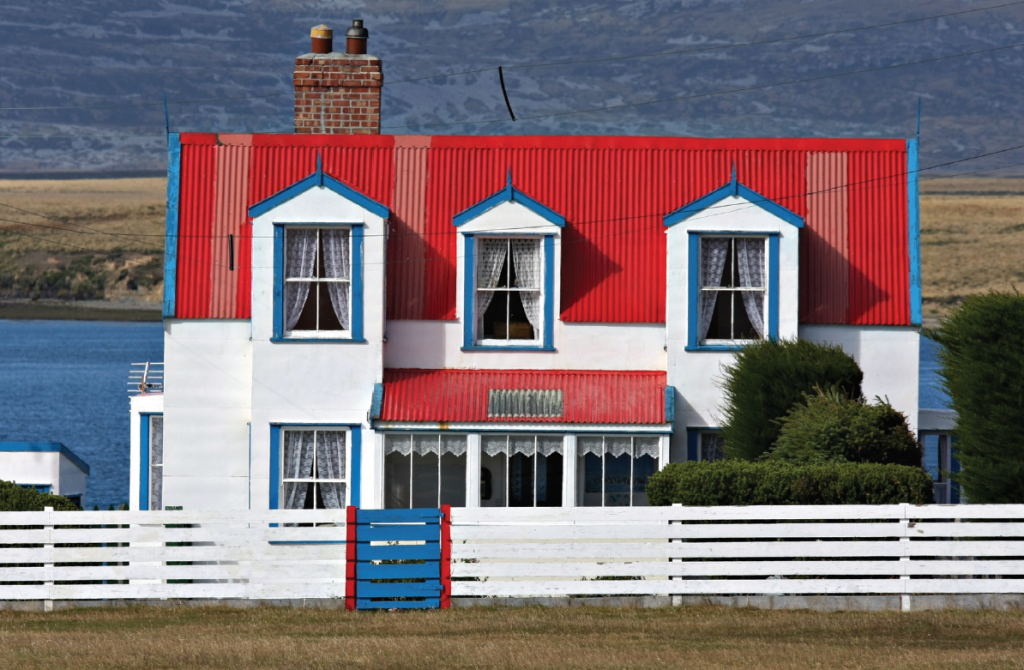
pixel 350 558
pixel 446 557
pixel 48 560
pixel 677 600
pixel 905 556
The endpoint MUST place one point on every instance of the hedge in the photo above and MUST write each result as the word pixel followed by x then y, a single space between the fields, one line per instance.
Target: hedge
pixel 768 378
pixel 734 482
pixel 13 498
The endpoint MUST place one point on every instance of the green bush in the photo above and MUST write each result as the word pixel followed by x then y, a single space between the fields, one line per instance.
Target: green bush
pixel 13 498
pixel 982 363
pixel 768 378
pixel 833 428
pixel 734 482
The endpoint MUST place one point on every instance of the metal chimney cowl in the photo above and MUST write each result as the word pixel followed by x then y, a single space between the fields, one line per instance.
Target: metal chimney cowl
pixel 355 38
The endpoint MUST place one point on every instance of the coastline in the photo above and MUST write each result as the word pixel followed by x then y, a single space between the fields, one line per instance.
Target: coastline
pixel 24 309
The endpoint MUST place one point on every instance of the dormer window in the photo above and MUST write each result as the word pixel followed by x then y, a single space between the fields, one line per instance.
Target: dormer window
pixel 732 291
pixel 509 293
pixel 318 281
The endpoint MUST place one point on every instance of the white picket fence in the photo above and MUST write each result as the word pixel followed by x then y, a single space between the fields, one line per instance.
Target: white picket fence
pixel 776 550
pixel 153 555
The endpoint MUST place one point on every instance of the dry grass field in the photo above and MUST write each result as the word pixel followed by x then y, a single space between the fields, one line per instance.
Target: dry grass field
pixel 588 638
pixel 104 239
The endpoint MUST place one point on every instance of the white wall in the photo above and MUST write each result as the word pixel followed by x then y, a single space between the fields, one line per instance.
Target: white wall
pixel 207 391
pixel 149 403
pixel 72 480
pixel 43 467
pixel 311 382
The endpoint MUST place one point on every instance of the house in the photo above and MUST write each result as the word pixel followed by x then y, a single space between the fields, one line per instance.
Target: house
pixel 46 467
pixel 404 320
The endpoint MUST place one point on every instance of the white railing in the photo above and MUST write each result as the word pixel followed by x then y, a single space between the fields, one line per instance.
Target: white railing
pixel 145 378
pixel 99 555
pixel 856 549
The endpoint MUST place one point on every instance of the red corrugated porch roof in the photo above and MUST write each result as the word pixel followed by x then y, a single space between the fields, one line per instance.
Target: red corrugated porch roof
pixel 461 396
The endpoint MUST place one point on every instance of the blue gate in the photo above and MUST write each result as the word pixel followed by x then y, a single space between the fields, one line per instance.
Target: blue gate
pixel 397 558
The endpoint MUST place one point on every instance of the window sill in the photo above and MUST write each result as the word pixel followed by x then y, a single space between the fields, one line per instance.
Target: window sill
pixel 488 347
pixel 317 340
pixel 716 347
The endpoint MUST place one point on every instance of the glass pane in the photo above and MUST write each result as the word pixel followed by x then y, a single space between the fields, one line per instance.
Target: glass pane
pixel 307 318
pixel 520 481
pixel 549 480
pixel 643 468
pixel 156 487
pixel 931 456
pixel 712 446
pixel 397 444
pixel 589 445
pixel 331 495
pixel 156 440
pixel 618 446
pixel 453 480
pixel 492 445
pixel 721 317
pixel 425 444
pixel 591 466
pixel 396 481
pixel 298 454
pixel 492 479
pixel 519 327
pixel 330 454
pixel 616 480
pixel 743 328
pixel 494 319
pixel 729 275
pixel 328 319
pixel 298 495
pixel 424 480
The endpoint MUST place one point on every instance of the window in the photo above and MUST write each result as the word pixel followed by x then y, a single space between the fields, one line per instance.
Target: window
pixel 614 469
pixel 521 471
pixel 732 289
pixel 317 296
pixel 156 462
pixel 508 299
pixel 712 446
pixel 424 470
pixel 939 462
pixel 314 469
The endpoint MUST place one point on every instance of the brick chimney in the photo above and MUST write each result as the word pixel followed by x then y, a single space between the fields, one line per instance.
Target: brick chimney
pixel 338 93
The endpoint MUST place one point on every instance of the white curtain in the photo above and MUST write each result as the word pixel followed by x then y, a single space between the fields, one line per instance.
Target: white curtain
pixel 425 444
pixel 495 444
pixel 337 265
pixel 398 444
pixel 521 444
pixel 618 446
pixel 299 262
pixel 647 446
pixel 298 464
pixel 590 445
pixel 330 464
pixel 490 260
pixel 547 445
pixel 156 463
pixel 750 263
pixel 526 255
pixel 453 444
pixel 714 252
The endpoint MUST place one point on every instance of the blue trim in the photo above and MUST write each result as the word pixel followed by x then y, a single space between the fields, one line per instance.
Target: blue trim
pixel 315 180
pixel 476 347
pixel 773 287
pixel 693 292
pixel 356 433
pixel 549 291
pixel 317 340
pixel 278 283
pixel 377 403
pixel 509 194
pixel 733 188
pixel 171 226
pixel 692 444
pixel 144 462
pixel 914 230
pixel 44 447
pixel 469 265
pixel 356 324
pixel 275 466
pixel 670 404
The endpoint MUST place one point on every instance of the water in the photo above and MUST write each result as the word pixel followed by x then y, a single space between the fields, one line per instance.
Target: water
pixel 67 381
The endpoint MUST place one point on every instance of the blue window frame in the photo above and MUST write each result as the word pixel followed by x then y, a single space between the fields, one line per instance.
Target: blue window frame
pixel 327 325
pixel 473 338
pixel 770 293
pixel 151 461
pixel 280 478
pixel 704 444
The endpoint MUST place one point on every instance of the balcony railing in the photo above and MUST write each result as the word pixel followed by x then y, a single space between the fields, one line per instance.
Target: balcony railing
pixel 145 378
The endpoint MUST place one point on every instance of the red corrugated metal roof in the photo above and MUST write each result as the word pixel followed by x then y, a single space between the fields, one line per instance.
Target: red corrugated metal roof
pixel 460 396
pixel 613 192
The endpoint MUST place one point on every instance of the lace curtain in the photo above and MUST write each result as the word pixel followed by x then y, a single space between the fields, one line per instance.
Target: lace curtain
pixel 647 446
pixel 545 445
pixel 618 446
pixel 493 445
pixel 298 464
pixel 490 260
pixel 156 463
pixel 750 263
pixel 337 265
pixel 330 464
pixel 300 258
pixel 714 252
pixel 425 444
pixel 526 255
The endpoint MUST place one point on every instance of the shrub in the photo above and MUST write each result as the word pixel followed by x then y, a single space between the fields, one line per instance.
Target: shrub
pixel 831 427
pixel 768 378
pixel 13 498
pixel 733 482
pixel 982 363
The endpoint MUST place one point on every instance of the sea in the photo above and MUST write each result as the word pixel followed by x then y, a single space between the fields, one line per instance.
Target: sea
pixel 67 381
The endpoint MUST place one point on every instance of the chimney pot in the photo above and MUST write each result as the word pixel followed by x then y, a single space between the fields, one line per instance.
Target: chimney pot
pixel 355 38
pixel 323 39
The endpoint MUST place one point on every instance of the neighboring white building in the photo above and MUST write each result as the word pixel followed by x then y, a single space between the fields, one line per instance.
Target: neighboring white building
pixel 47 467
pixel 391 321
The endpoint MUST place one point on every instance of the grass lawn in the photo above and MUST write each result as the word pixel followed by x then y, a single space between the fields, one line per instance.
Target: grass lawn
pixel 589 638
